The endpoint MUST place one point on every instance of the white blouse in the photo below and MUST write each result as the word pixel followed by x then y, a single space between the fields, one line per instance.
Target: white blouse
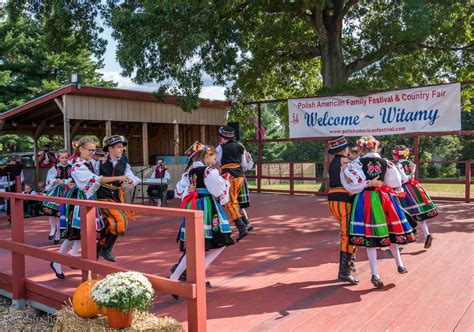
pixel 404 177
pixel 215 184
pixel 358 181
pixel 85 180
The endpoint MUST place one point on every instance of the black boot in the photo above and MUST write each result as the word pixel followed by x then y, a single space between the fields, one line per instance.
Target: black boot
pixel 243 232
pixel 106 250
pixel 247 223
pixel 352 263
pixel 345 268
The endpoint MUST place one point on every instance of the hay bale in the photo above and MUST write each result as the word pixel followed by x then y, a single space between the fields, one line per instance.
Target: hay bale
pixel 67 320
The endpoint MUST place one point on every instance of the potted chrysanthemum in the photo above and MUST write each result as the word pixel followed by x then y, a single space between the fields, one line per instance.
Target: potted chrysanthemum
pixel 121 293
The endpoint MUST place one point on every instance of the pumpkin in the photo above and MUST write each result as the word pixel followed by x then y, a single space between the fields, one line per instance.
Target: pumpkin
pixel 82 301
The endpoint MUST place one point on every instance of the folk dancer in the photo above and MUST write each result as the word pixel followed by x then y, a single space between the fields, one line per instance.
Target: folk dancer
pixel 340 203
pixel 58 181
pixel 204 189
pixel 377 219
pixel 86 185
pixel 116 221
pixel 232 157
pixel 416 203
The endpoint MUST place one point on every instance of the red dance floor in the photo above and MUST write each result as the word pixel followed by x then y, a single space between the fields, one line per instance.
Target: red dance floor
pixel 283 276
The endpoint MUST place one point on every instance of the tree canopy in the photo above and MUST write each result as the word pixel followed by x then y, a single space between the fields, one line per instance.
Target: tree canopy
pixel 42 43
pixel 267 49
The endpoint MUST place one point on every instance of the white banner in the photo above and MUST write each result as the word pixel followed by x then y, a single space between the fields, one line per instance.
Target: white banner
pixel 425 109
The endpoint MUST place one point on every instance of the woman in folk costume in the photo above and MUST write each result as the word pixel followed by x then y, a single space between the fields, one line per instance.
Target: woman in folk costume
pixel 204 189
pixel 416 203
pixel 116 221
pixel 340 204
pixel 377 219
pixel 58 181
pixel 232 158
pixel 86 185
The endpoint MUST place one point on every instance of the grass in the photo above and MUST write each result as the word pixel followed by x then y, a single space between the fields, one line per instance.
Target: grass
pixel 433 189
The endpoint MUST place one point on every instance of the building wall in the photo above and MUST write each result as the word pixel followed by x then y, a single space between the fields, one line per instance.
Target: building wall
pixel 100 108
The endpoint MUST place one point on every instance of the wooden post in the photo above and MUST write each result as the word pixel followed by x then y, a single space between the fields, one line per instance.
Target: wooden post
pixel 18 260
pixel 36 137
pixel 203 134
pixel 196 274
pixel 467 173
pixel 260 149
pixel 36 157
pixel 88 235
pixel 416 155
pixel 108 128
pixel 292 180
pixel 176 143
pixel 145 143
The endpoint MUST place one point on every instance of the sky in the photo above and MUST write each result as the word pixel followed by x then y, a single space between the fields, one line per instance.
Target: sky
pixel 112 70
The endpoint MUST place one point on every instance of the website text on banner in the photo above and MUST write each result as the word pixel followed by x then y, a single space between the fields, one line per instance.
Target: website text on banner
pixel 425 109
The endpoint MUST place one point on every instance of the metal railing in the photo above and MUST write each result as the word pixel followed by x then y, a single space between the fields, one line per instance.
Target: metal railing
pixel 23 289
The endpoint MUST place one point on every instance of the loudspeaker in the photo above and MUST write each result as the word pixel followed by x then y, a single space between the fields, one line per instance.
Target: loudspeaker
pixel 236 127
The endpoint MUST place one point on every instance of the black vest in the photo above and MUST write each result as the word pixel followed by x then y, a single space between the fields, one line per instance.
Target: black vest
pixel 408 167
pixel 232 154
pixel 63 172
pixel 374 167
pixel 197 174
pixel 335 181
pixel 107 169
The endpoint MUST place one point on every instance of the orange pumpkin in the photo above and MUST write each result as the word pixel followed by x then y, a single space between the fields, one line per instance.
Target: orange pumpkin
pixel 82 301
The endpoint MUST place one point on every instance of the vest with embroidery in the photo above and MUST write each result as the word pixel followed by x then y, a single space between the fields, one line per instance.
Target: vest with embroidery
pixel 196 177
pixel 374 167
pixel 408 167
pixel 108 169
pixel 232 154
pixel 63 172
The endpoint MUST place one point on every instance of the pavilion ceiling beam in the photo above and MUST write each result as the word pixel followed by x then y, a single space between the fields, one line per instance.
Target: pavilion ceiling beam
pixel 75 129
pixel 60 104
pixel 39 130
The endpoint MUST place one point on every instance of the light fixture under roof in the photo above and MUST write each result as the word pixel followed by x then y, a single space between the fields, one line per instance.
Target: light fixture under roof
pixel 51 125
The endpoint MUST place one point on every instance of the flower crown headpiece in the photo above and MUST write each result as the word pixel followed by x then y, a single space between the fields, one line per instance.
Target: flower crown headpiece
pixel 367 142
pixel 75 144
pixel 195 148
pixel 401 153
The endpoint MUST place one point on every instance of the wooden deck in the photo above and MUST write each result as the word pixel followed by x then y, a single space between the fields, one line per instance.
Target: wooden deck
pixel 283 276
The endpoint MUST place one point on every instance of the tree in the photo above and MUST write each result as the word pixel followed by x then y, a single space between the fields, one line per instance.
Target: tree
pixel 253 42
pixel 42 43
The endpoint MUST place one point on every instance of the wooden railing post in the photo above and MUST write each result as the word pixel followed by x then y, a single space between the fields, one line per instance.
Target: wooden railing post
pixel 260 149
pixel 467 173
pixel 88 236
pixel 292 178
pixel 18 260
pixel 195 272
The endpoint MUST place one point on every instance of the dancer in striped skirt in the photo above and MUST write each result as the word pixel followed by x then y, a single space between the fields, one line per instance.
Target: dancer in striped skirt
pixel 58 181
pixel 416 203
pixel 377 219
pixel 204 189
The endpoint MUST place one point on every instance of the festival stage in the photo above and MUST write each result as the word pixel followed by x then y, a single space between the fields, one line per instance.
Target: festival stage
pixel 283 276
